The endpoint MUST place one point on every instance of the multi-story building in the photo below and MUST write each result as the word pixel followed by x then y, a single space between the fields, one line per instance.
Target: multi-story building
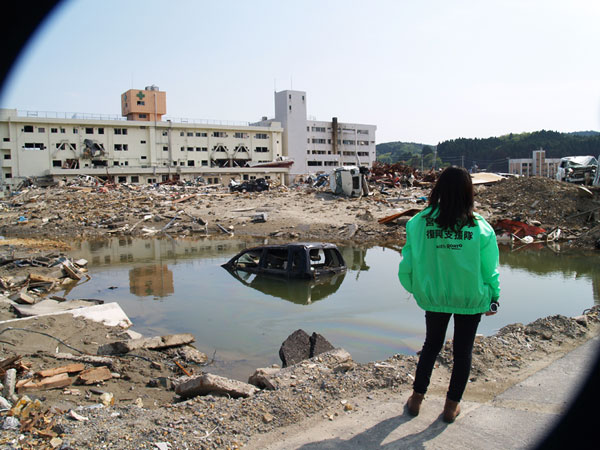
pixel 537 165
pixel 143 147
pixel 138 148
pixel 320 146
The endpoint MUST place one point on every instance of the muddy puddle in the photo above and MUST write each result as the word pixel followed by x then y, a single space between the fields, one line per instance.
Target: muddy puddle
pixel 168 286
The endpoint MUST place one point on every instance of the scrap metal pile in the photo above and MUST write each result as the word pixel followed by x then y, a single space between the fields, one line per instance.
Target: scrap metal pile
pixel 400 175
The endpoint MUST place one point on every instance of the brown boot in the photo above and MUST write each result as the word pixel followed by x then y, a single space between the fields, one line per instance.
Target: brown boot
pixel 414 403
pixel 451 410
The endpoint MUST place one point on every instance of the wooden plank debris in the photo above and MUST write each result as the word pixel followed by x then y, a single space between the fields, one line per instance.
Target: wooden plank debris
pixel 57 381
pixel 409 212
pixel 70 368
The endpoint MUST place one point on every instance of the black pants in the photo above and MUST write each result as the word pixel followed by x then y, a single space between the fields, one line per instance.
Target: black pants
pixel 465 328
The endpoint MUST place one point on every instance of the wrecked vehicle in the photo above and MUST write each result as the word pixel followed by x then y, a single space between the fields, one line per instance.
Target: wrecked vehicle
pixel 257 185
pixel 577 169
pixel 350 181
pixel 298 260
pixel 299 291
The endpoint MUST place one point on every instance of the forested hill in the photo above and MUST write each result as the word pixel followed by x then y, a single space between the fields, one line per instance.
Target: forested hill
pixel 492 154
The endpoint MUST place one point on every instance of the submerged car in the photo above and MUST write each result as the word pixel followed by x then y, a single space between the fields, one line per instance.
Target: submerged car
pixel 297 260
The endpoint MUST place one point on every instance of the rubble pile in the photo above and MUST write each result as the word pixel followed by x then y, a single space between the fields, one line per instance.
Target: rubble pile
pixel 328 386
pixel 300 212
pixel 547 203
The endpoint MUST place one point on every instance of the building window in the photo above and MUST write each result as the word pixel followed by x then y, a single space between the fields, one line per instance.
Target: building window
pixel 63 131
pixel 75 131
pixel 261 136
pixel 143 157
pixel 115 163
pixel 190 149
pixel 290 107
pixel 205 163
pixel 319 141
pixel 181 133
pixel 100 130
pixel 219 134
pixel 7 156
pixel 319 129
pixel 135 179
pixel 315 163
pixel 189 133
pixel 142 142
pixel 41 130
pixel 122 179
pixel 118 147
pixel 8 175
pixel 28 129
pixel 56 163
pixel 165 148
pixel 261 149
pixel 33 146
pixel 190 163
pixel 125 147
pixel 141 103
pixel 89 131
pixel 53 130
pixel 240 135
pixel 142 116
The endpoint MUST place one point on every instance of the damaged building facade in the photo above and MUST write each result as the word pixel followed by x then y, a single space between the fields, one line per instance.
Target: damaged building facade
pixel 139 147
pixel 142 147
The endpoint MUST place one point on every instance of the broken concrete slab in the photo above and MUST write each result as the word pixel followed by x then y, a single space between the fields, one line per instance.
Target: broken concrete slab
pixel 110 314
pixel 295 348
pixel 90 359
pixel 23 298
pixel 214 384
pixel 271 378
pixel 188 354
pixel 50 306
pixel 153 343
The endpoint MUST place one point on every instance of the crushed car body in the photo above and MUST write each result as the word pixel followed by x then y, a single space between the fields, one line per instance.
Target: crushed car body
pixel 297 260
pixel 577 169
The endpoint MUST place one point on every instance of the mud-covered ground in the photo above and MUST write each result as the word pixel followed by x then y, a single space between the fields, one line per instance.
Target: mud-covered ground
pixel 298 212
pixel 147 414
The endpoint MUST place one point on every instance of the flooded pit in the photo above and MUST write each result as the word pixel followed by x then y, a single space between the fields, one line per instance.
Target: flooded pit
pixel 168 286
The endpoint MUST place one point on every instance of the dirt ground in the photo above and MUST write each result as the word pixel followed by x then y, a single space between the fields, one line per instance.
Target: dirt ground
pixel 146 411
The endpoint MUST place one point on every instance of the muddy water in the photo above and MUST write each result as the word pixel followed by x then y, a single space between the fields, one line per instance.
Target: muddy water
pixel 168 286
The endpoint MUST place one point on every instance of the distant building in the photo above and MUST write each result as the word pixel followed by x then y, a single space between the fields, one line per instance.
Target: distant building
pixel 537 165
pixel 142 149
pixel 320 146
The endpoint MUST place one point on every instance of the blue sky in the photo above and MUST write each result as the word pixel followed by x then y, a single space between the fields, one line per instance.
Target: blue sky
pixel 421 71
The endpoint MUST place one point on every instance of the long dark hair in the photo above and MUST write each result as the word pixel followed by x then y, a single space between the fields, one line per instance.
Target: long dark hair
pixel 452 196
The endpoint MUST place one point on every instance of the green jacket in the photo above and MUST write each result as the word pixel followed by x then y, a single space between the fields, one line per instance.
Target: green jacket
pixel 450 272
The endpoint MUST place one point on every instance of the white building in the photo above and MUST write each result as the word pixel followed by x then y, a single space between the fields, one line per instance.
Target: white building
pixel 320 146
pixel 537 165
pixel 138 148
pixel 143 147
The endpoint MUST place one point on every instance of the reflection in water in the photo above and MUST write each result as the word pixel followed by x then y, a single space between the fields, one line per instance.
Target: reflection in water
pixel 543 261
pixel 155 280
pixel 301 292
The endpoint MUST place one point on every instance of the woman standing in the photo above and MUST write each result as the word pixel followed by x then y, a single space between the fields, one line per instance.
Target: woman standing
pixel 449 264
